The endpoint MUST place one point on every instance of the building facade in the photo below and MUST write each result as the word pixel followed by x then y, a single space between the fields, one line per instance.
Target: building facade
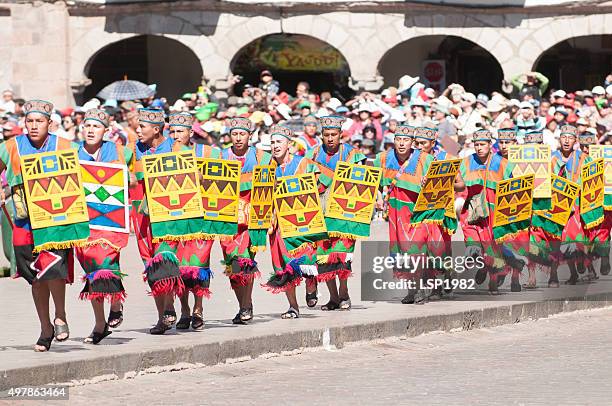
pixel 67 51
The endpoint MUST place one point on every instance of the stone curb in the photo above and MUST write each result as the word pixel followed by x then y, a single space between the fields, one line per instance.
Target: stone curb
pixel 208 354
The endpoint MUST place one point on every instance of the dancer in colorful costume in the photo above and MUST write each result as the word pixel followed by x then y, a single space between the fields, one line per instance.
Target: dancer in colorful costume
pixel 100 257
pixel 404 170
pixel 239 251
pixel 292 257
pixel 335 254
pixel 46 270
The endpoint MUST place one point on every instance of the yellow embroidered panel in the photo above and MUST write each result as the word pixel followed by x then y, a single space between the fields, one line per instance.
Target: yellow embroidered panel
pixel 172 185
pixel 220 189
pixel 54 189
pixel 262 192
pixel 438 190
pixel 533 159
pixel 353 192
pixel 513 200
pixel 564 193
pixel 592 195
pixel 297 205
pixel 605 152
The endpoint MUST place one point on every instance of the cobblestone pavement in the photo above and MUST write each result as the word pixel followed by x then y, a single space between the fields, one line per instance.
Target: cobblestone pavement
pixel 560 360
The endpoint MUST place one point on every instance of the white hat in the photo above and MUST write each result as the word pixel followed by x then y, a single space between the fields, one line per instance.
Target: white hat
pixel 91 104
pixel 494 107
pixel 208 127
pixel 56 118
pixel 609 90
pixel 559 93
pixel 514 102
pixel 499 98
pixel 406 82
pixel 284 111
pixel 268 121
pixel 334 103
pixel 468 97
pixel 179 105
pixel 582 121
pixel 364 107
pixel 429 92
pixel 599 90
pixel 525 105
pixel 265 142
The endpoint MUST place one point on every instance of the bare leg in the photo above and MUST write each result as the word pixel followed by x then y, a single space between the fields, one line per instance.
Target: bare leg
pixel 40 294
pixel 160 303
pixel 311 285
pixel 573 273
pixel 343 291
pixel 115 306
pixel 198 306
pixel 292 298
pixel 57 287
pixel 184 298
pixel 247 295
pixel 333 291
pixel 239 292
pixel 98 309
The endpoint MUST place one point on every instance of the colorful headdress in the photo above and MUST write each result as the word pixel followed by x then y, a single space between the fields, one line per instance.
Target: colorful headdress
pixel 97 115
pixel 404 130
pixel 310 119
pixel 587 139
pixel 332 122
pixel 482 135
pixel 282 131
pixel 241 123
pixel 38 106
pixel 569 130
pixel 426 133
pixel 180 120
pixel 152 116
pixel 534 137
pixel 507 134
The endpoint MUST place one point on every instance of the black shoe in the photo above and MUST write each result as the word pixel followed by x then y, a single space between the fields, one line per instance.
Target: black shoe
pixel 164 324
pixel 183 323
pixel 246 314
pixel 481 276
pixel 115 318
pixel 237 319
pixel 515 286
pixel 97 337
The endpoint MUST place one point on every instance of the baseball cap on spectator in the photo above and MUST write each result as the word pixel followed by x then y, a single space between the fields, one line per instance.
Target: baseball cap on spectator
pixel 56 118
pixel 67 111
pixel 514 102
pixel 304 105
pixel 265 73
pixel 179 105
pixel 559 93
pixel 284 111
pixel 587 93
pixel 208 127
pixel 598 90
pixel 356 137
pixel 364 107
pixel 368 143
pixel 582 121
pixel 482 99
pixel 455 111
pixel 333 104
pixel 468 97
pixel 562 111
pixel 525 105
pixel 389 138
pixel 430 93
pixel 609 90
pixel 342 110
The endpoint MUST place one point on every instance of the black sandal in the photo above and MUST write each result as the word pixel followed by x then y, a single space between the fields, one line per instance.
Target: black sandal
pixel 246 314
pixel 312 299
pixel 97 337
pixel 61 329
pixel 115 318
pixel 183 323
pixel 164 324
pixel 197 322
pixel 291 314
pixel 329 306
pixel 238 319
pixel 171 316
pixel 44 342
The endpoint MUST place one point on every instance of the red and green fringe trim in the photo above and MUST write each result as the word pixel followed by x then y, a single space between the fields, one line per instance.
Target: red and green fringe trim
pixel 510 231
pixel 346 228
pixel 101 297
pixel 173 285
pixel 178 230
pixel 257 239
pixel 342 274
pixel 280 289
pixel 592 218
pixel 218 229
pixel 54 238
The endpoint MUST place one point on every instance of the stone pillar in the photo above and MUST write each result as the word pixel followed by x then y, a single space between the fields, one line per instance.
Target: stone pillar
pixel 40 52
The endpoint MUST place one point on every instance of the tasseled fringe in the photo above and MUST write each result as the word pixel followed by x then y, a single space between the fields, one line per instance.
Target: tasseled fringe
pixel 100 297
pixel 60 245
pixel 200 273
pixel 342 274
pixel 166 286
pixel 162 256
pixel 246 263
pixel 185 237
pixel 405 275
pixel 258 248
pixel 304 248
pixel 279 289
pixel 349 236
pixel 548 234
pixel 594 223
pixel 426 221
pixel 103 274
pixel 335 258
pixel 243 279
pixel 102 241
pixel 510 236
pixel 200 292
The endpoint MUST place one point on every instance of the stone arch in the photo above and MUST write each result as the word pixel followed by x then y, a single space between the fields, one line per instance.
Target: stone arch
pixel 466 62
pixel 577 62
pixel 137 57
pixel 293 58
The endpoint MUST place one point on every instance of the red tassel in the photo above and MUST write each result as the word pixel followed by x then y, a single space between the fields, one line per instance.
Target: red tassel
pixel 201 292
pixel 166 286
pixel 344 274
pixel 243 279
pixel 327 276
pixel 279 289
pixel 100 296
